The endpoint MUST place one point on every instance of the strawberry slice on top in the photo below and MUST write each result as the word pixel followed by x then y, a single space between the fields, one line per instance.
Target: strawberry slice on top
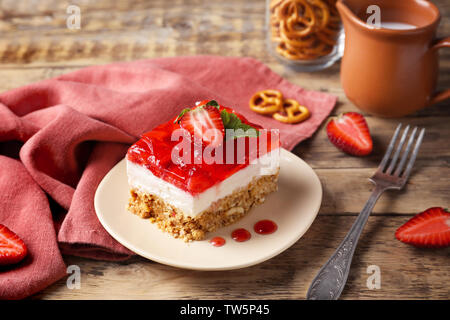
pixel 205 123
pixel 350 133
pixel 430 228
pixel 12 248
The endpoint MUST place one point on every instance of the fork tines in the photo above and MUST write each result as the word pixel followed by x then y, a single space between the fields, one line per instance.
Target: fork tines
pixel 399 172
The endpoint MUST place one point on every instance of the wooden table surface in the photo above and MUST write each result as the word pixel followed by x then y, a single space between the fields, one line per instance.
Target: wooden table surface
pixel 36 44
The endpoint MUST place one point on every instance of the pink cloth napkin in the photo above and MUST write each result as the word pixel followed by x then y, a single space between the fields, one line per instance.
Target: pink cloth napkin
pixel 59 137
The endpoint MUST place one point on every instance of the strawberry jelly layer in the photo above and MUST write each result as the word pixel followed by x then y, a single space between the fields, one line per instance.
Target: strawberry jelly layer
pixel 153 151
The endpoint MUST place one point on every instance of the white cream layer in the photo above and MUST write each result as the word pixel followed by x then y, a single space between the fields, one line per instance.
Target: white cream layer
pixel 144 180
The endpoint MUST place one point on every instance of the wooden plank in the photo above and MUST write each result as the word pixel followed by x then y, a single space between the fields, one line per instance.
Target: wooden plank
pixel 11 78
pixel 347 190
pixel 434 152
pixel 49 16
pixel 406 272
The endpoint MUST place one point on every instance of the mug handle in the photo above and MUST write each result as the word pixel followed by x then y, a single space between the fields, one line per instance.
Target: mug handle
pixel 443 95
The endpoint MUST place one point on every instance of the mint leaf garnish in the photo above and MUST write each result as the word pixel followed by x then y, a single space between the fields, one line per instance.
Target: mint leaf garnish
pixel 212 103
pixel 181 114
pixel 225 118
pixel 232 121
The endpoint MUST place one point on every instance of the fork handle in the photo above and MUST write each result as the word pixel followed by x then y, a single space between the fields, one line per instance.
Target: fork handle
pixel 330 281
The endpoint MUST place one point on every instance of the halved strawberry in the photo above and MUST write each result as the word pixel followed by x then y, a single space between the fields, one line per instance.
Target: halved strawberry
pixel 205 123
pixel 350 133
pixel 12 248
pixel 430 228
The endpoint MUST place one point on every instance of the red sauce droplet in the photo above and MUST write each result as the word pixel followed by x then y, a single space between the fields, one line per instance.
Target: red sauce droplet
pixel 240 235
pixel 217 241
pixel 265 227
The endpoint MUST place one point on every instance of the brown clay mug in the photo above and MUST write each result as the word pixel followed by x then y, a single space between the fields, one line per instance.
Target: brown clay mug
pixel 388 72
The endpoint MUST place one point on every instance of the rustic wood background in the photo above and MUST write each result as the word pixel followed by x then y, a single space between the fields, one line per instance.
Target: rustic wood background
pixel 36 44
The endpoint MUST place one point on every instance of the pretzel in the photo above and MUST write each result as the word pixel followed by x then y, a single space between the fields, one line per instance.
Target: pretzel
pixel 300 42
pixel 266 101
pixel 292 112
pixel 324 37
pixel 275 3
pixel 304 29
pixel 296 27
pixel 324 15
pixel 301 21
pixel 286 9
pixel 294 54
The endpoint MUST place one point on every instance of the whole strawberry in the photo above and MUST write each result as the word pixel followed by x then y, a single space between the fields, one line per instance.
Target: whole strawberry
pixel 349 132
pixel 430 228
pixel 12 248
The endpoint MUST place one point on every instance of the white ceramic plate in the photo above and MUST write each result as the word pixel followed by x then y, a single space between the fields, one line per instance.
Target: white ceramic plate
pixel 293 207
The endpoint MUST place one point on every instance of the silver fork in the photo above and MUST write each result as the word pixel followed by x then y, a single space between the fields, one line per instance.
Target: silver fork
pixel 330 281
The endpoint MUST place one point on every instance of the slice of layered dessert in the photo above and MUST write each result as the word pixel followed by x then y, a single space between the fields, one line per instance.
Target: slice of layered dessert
pixel 201 171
